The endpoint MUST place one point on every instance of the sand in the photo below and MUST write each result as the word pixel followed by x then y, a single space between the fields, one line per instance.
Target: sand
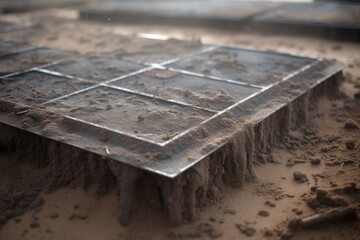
pixel 71 213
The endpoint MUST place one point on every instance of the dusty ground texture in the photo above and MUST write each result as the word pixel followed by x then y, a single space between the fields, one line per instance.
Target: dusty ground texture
pixel 326 150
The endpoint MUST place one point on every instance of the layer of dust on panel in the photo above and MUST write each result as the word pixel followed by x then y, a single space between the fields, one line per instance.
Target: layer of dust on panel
pixel 130 114
pixel 198 91
pixel 253 67
pixel 34 87
pixel 29 59
pixel 181 197
pixel 93 68
pixel 158 135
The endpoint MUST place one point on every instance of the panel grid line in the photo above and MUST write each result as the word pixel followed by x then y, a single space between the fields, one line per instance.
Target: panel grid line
pixel 241 83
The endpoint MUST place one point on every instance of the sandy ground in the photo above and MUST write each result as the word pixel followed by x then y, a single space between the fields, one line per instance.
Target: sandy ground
pixel 75 214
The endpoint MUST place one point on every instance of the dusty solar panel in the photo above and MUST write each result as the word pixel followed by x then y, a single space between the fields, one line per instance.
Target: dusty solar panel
pixel 336 16
pixel 176 12
pixel 163 117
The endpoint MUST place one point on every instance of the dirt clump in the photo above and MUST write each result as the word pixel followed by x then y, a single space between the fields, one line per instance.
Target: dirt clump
pixel 300 177
pixel 291 162
pixel 263 213
pixel 315 161
pixel 209 230
pixel 324 199
pixel 34 224
pixel 297 211
pixel 246 230
pixel 351 124
pixel 53 215
pixel 350 189
pixel 350 144
pixel 270 203
pixel 230 211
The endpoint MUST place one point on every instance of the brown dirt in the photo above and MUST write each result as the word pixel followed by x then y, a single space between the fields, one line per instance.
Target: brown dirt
pixel 72 213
